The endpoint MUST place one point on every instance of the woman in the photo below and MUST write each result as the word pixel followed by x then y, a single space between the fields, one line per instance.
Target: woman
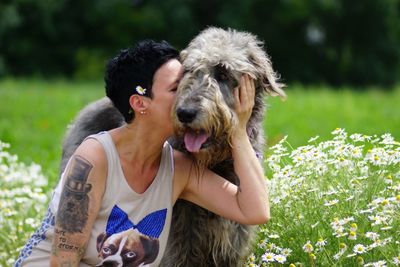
pixel 113 204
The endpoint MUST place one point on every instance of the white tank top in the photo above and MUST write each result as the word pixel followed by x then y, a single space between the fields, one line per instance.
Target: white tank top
pixel 130 229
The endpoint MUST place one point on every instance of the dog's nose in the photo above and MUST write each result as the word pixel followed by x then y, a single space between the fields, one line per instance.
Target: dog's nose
pixel 186 115
pixel 110 264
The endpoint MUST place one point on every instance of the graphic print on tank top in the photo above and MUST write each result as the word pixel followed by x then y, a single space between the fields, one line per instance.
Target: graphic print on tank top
pixel 125 243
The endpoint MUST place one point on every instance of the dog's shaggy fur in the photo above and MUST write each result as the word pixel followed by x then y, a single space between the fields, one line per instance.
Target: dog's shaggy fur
pixel 213 63
pixel 204 119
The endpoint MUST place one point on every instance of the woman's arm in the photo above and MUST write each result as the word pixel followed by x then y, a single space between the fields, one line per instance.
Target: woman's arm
pixel 80 201
pixel 247 203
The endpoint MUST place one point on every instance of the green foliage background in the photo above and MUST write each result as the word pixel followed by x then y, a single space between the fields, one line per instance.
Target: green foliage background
pixel 337 42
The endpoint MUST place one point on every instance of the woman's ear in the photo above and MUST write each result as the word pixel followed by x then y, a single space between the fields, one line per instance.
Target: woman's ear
pixel 138 103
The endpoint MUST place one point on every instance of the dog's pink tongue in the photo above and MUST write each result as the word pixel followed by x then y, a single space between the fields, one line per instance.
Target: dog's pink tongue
pixel 194 141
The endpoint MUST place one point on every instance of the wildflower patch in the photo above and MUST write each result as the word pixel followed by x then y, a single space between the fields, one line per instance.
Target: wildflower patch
pixel 22 203
pixel 333 203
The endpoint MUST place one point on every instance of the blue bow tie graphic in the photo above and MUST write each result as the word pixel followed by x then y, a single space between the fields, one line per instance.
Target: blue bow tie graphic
pixel 151 225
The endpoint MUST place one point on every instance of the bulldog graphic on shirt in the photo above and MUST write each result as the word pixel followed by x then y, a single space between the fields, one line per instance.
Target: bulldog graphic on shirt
pixel 125 244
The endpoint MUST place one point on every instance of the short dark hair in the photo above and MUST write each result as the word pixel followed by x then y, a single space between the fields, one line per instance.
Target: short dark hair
pixel 135 66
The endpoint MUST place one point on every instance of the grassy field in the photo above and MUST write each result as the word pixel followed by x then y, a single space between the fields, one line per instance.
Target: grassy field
pixel 335 201
pixel 310 111
pixel 35 113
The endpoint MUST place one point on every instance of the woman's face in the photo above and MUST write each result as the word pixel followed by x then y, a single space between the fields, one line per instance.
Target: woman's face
pixel 166 80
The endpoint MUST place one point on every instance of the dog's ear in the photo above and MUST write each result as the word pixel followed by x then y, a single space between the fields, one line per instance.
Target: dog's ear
pixel 100 241
pixel 187 61
pixel 266 76
pixel 151 247
pixel 183 55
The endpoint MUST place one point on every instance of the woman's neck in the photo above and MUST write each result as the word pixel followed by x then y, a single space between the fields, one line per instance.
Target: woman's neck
pixel 138 145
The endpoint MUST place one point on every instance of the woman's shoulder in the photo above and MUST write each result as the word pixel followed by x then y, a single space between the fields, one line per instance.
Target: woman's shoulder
pixel 181 158
pixel 93 152
pixel 92 148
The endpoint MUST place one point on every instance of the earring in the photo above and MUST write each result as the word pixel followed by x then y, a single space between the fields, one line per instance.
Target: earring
pixel 142 112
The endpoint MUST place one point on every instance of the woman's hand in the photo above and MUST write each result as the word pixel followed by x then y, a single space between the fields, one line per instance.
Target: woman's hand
pixel 244 101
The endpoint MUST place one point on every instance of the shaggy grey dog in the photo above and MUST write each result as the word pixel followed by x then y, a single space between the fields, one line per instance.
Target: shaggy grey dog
pixel 204 119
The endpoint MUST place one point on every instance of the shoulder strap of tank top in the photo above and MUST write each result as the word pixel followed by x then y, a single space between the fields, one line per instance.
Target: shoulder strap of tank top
pixel 169 156
pixel 112 157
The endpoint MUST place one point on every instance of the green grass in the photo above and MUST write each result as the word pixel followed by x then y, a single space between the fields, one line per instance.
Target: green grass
pixel 35 114
pixel 315 111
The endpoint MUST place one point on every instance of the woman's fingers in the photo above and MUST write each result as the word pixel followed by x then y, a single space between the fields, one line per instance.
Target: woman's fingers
pixel 244 99
pixel 243 90
pixel 236 95
pixel 251 88
pixel 247 91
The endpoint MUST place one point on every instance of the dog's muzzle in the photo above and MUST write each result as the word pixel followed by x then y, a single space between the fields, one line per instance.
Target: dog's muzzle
pixel 195 139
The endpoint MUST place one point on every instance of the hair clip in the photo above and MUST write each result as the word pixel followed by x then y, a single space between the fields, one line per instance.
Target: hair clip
pixel 140 90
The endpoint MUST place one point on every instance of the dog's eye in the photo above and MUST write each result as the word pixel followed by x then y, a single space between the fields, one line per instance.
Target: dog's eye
pixel 78 197
pixel 130 255
pixel 106 251
pixel 221 73
pixel 185 71
pixel 222 77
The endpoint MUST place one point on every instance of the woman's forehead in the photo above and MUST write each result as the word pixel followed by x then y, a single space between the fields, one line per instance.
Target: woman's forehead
pixel 169 73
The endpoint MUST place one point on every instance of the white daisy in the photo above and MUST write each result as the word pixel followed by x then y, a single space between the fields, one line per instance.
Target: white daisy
pixel 321 243
pixel 273 236
pixel 140 90
pixel 396 260
pixel 352 235
pixel 268 257
pixel 280 258
pixel 286 251
pixel 379 264
pixel 331 202
pixel 308 247
pixel 372 235
pixel 359 249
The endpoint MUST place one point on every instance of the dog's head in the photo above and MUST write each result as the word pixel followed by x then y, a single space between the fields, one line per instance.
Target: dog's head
pixel 129 248
pixel 214 61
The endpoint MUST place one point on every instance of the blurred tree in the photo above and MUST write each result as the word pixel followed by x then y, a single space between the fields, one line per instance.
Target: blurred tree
pixel 27 37
pixel 325 41
pixel 310 41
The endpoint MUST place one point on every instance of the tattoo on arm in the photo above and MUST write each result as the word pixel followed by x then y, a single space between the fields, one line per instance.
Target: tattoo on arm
pixel 64 244
pixel 73 209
